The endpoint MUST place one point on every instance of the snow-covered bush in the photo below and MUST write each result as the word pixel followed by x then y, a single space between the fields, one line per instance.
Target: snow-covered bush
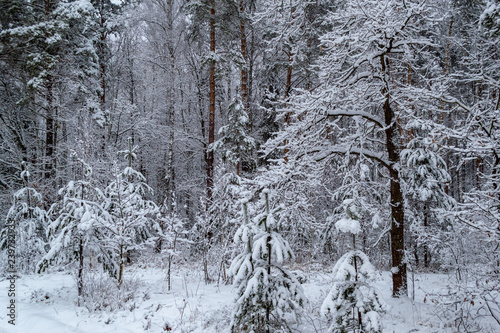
pixel 353 304
pixel 101 293
pixel 266 290
pixel 471 300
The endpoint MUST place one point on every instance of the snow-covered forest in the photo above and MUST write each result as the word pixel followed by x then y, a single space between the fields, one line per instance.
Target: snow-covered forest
pixel 250 165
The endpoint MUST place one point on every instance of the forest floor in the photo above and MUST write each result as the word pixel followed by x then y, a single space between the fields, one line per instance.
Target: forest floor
pixel 47 303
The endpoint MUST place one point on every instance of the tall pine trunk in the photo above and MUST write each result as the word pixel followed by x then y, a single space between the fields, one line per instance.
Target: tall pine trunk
pixel 211 115
pixel 244 69
pixel 171 109
pixel 209 153
pixel 49 130
pixel 49 116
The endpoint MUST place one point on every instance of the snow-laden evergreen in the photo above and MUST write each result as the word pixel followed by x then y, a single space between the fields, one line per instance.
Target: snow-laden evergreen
pixel 425 177
pixel 426 173
pixel 350 222
pixel 224 211
pixel 389 107
pixel 268 294
pixel 353 304
pixel 235 146
pixel 235 143
pixel 242 269
pixel 133 220
pixel 77 232
pixel 29 221
pixel 172 232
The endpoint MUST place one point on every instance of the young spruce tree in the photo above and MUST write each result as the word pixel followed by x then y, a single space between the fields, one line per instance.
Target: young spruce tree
pixel 77 231
pixel 133 222
pixel 29 220
pixel 266 290
pixel 353 305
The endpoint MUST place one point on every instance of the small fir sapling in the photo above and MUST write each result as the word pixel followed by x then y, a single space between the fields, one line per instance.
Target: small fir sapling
pixel 133 222
pixel 266 291
pixel 235 146
pixel 172 232
pixel 30 221
pixel 77 230
pixel 353 304
pixel 224 212
pixel 242 269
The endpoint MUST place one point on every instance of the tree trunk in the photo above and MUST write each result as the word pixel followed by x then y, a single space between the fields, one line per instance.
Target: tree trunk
pixel 80 272
pixel 50 114
pixel 244 69
pixel 211 116
pixel 269 252
pixel 49 130
pixel 399 278
pixel 168 272
pixel 250 63
pixel 171 111
pixel 288 87
pixel 101 57
pixel 426 248
pixel 120 272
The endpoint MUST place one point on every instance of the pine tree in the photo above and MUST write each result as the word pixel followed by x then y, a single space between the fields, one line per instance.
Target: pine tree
pixel 133 222
pixel 424 178
pixel 266 289
pixel 234 142
pixel 172 232
pixel 76 234
pixel 30 221
pixel 57 53
pixel 353 304
pixel 242 268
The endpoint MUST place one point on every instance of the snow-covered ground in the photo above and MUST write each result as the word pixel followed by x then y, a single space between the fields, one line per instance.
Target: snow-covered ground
pixel 47 303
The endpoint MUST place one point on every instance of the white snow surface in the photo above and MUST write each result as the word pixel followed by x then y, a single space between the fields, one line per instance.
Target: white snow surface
pixel 47 303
